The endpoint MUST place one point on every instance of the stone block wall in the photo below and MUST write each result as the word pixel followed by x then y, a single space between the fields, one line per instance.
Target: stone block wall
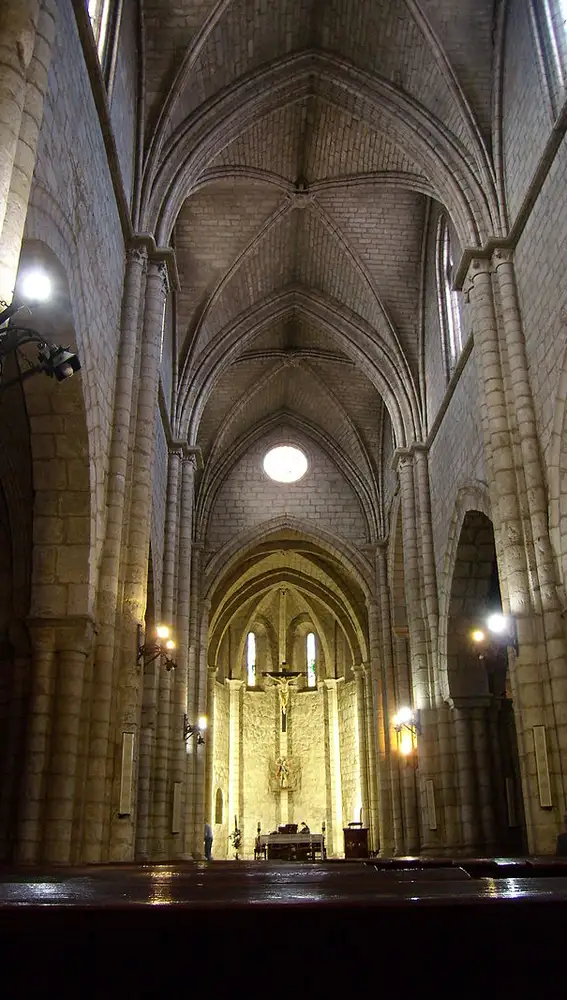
pixel 307 746
pixel 124 96
pixel 259 746
pixel 455 457
pixel 527 113
pixel 323 497
pixel 73 212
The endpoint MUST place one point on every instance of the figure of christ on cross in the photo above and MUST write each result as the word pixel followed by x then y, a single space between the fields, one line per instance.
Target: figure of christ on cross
pixel 282 679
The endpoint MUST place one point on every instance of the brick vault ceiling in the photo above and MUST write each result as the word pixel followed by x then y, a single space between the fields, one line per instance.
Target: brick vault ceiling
pixel 306 217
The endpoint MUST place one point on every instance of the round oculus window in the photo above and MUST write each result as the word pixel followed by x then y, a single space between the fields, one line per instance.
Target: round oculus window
pixel 285 464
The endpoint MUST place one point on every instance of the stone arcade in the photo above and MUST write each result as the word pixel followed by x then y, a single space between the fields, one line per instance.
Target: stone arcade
pixel 338 227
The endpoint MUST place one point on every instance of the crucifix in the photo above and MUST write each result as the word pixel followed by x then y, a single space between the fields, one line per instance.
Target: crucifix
pixel 282 679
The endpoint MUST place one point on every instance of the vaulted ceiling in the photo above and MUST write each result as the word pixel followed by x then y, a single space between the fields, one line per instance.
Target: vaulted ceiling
pixel 293 151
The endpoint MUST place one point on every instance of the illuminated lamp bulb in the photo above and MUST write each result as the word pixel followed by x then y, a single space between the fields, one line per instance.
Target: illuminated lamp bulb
pixel 170 644
pixel 35 286
pixel 162 632
pixel 404 716
pixel 406 744
pixel 478 635
pixel 202 722
pixel 497 623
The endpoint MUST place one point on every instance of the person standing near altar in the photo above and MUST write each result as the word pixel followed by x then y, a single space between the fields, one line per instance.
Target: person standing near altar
pixel 208 842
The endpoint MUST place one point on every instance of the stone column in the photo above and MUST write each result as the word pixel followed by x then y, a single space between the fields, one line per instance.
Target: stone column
pixel 395 833
pixel 201 708
pixel 532 694
pixel 162 787
pixel 428 562
pixel 136 570
pixel 23 164
pixel 537 504
pixel 417 636
pixel 483 777
pixel 335 835
pixel 18 25
pixel 366 795
pixel 148 726
pixel 235 701
pixel 209 744
pixel 40 721
pixel 96 787
pixel 73 643
pixel 465 767
pixel 180 707
pixel 378 738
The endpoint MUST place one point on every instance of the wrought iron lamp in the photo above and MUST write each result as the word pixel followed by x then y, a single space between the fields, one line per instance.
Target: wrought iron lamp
pixel 406 723
pixel 500 633
pixel 162 646
pixel 196 730
pixel 52 359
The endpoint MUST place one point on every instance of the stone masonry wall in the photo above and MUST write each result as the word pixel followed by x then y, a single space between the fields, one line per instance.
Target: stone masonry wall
pixel 124 96
pixel 73 212
pixel 455 456
pixel 307 746
pixel 260 713
pixel 323 497
pixel 526 118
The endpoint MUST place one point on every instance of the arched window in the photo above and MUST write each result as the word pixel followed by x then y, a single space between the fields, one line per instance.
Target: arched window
pixel 251 660
pixel 311 660
pixel 448 298
pixel 551 24
pixel 105 21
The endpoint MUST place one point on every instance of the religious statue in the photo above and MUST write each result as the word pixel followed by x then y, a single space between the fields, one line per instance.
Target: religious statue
pixel 283 685
pixel 284 774
pixel 283 771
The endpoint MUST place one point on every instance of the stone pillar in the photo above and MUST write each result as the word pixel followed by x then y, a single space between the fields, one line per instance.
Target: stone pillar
pixel 428 563
pixel 378 739
pixel 395 833
pixel 367 796
pixel 180 707
pixel 235 704
pixel 481 749
pixel 103 676
pixel 136 570
pixel 73 643
pixel 466 785
pixel 148 726
pixel 23 164
pixel 538 508
pixel 201 709
pixel 193 691
pixel 532 691
pixel 417 636
pixel 335 835
pixel 18 25
pixel 210 743
pixel 40 721
pixel 162 786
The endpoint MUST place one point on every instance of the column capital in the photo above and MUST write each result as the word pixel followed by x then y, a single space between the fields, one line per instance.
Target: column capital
pixel 234 683
pixel 402 458
pixel 137 255
pixel 502 255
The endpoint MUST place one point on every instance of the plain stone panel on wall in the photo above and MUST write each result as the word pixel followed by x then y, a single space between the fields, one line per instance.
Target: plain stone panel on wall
pixel 220 769
pixel 323 498
pixel 124 97
pixel 527 115
pixel 258 749
pixel 455 456
pixel 350 756
pixel 159 495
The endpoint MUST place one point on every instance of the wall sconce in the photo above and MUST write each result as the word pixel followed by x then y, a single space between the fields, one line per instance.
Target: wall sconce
pixel 406 724
pixel 162 646
pixel 52 359
pixel 197 731
pixel 499 633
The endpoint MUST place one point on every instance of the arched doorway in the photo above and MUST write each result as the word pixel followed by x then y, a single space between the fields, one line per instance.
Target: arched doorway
pixel 288 739
pixel 487 774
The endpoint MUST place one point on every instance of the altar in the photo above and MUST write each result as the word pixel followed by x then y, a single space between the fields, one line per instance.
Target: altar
pixel 290 847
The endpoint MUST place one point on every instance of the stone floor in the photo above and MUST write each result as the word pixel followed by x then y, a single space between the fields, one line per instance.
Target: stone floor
pixel 322 928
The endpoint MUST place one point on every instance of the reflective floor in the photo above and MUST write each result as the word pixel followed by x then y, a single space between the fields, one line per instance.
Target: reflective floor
pixel 326 928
